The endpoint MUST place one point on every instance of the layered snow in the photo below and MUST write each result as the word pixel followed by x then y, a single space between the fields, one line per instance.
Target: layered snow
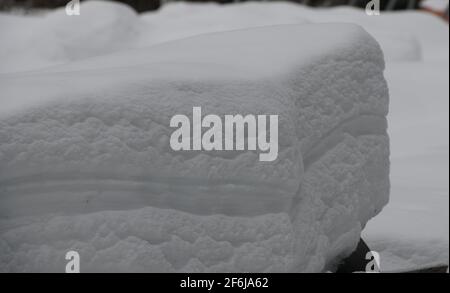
pixel 86 162
pixel 412 230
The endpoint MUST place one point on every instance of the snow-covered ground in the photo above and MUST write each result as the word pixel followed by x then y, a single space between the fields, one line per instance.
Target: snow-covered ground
pixel 413 229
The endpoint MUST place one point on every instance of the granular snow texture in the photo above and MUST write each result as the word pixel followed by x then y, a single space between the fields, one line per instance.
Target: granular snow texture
pixel 85 161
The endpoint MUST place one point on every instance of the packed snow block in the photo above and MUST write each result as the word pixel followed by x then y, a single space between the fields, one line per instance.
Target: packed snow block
pixel 86 164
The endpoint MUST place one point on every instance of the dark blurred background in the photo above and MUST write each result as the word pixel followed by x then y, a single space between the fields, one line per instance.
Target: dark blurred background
pixel 146 5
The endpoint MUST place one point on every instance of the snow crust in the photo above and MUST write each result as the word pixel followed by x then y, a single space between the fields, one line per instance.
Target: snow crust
pixel 86 165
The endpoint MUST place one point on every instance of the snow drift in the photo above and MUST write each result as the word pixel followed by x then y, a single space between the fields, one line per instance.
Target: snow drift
pixel 54 38
pixel 85 162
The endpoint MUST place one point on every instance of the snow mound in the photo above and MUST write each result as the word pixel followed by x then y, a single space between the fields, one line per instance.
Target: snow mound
pixel 100 29
pixel 87 165
pixel 35 42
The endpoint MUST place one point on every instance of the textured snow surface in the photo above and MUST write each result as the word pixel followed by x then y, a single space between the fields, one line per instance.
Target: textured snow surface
pixel 412 229
pixel 86 165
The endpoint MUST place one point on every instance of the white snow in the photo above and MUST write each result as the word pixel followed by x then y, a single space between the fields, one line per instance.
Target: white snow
pixel 81 147
pixel 411 230
pixel 437 5
pixel 40 40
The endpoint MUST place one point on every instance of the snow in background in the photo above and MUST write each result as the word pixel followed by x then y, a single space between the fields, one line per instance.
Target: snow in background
pixel 437 5
pixel 414 228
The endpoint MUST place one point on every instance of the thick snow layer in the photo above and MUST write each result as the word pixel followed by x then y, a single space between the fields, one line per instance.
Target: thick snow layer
pixel 413 228
pixel 86 164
